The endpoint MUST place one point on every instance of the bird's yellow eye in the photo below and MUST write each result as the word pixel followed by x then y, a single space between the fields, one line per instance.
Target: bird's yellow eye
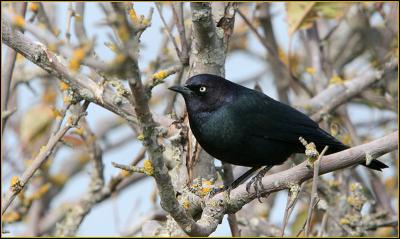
pixel 203 89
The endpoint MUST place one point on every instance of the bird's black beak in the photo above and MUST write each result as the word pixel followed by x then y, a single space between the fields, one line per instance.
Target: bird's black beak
pixel 181 89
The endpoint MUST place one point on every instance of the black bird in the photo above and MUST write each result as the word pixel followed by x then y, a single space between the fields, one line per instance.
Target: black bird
pixel 244 127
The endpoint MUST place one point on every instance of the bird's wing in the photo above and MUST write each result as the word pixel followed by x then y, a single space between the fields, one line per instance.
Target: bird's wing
pixel 278 121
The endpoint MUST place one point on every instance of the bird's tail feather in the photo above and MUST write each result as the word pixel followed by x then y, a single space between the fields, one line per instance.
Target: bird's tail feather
pixel 375 165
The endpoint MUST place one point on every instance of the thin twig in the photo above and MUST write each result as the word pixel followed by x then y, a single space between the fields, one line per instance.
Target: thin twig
pixel 7 71
pixel 43 155
pixel 70 14
pixel 180 25
pixel 228 179
pixel 293 196
pixel 314 194
pixel 168 30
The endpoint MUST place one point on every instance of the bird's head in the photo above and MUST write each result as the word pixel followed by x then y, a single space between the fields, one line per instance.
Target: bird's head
pixel 206 92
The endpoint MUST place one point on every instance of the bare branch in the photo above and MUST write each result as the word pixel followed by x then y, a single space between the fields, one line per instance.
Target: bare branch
pixel 314 195
pixel 7 71
pixel 44 154
pixel 218 206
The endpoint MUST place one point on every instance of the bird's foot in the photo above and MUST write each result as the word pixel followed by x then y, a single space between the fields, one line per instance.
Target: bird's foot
pixel 257 183
pixel 217 190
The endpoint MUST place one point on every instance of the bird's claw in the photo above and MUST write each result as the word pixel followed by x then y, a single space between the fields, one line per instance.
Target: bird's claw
pixel 257 183
pixel 217 190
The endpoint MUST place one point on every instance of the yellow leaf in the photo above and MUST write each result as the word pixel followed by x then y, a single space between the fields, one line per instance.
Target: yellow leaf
pixel 332 10
pixel 299 15
pixel 49 96
pixel 35 122
pixel 11 217
pixel 59 179
pixel 83 159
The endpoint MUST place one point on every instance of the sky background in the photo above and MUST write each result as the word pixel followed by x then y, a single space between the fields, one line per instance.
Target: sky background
pixel 112 216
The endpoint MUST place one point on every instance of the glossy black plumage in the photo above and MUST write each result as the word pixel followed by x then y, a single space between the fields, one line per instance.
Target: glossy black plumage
pixel 245 127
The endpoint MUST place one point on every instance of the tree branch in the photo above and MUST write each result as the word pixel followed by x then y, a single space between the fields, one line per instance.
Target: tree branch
pixel 218 206
pixel 43 155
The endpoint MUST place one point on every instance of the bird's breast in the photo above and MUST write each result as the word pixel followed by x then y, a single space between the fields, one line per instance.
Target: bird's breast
pixel 218 132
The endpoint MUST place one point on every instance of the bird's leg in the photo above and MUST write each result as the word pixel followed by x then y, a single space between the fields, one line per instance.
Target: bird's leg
pixel 243 177
pixel 257 182
pixel 235 183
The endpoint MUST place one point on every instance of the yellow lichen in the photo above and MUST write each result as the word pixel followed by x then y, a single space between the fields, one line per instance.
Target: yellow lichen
pixel 161 75
pixel 207 182
pixel 336 80
pixel 34 7
pixel 70 120
pixel 64 86
pixel 186 204
pixel 56 113
pixel 125 173
pixel 355 187
pixel 344 221
pixel 67 99
pixel 79 130
pixel 148 167
pixel 123 33
pixel 355 202
pixel 311 70
pixel 204 191
pixel 140 137
pixel 145 22
pixel 132 14
pixel 19 21
pixel 15 182
pixel 77 57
